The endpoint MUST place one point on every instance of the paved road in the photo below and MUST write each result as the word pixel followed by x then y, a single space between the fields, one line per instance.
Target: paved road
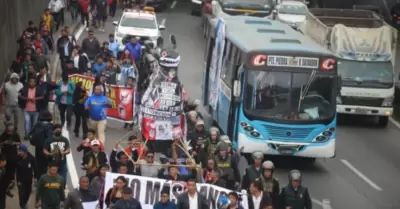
pixel 361 176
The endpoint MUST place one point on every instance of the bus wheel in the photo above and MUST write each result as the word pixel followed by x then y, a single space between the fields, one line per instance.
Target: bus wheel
pixel 383 121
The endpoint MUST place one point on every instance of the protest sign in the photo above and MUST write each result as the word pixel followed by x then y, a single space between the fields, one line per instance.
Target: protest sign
pixel 122 98
pixel 147 190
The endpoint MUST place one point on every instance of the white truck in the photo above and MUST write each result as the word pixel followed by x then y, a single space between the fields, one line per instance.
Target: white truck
pixel 366 49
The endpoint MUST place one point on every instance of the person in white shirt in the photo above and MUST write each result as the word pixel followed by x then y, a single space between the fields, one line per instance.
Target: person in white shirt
pixel 257 199
pixel 56 8
pixel 192 199
pixel 11 89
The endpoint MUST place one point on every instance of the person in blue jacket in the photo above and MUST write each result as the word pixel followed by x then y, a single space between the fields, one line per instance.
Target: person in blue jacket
pixel 99 65
pixel 64 94
pixel 135 49
pixel 97 105
pixel 164 203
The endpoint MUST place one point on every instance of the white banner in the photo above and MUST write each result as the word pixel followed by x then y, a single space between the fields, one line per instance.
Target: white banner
pixel 147 190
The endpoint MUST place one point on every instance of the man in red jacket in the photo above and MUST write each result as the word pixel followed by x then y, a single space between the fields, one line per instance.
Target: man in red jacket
pixel 84 4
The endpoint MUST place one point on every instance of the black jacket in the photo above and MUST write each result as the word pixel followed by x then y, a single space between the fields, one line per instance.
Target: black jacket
pixel 299 199
pixel 75 199
pixel 114 163
pixel 26 169
pixel 24 95
pixel 265 201
pixel 183 201
pixel 101 157
pixel 8 149
pixel 275 196
pixel 61 51
pixel 82 64
pixel 128 204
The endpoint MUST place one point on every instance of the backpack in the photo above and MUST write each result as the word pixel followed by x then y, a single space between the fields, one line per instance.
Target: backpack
pixel 39 134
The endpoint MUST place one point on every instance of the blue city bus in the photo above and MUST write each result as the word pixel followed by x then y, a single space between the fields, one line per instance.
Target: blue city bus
pixel 270 88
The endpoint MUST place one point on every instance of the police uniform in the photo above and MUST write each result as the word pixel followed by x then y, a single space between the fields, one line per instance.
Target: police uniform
pixel 252 172
pixel 229 169
pixel 298 198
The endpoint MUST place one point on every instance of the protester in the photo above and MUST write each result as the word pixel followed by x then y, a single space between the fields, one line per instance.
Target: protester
pixel 101 8
pixel 79 98
pixel 127 201
pixel 73 8
pixel 135 50
pixel 56 148
pixel 56 8
pixel 127 70
pixel 11 91
pixel 113 45
pixel 148 166
pixel 84 9
pixel 38 137
pixel 29 100
pixel 26 171
pixel 78 196
pixel 94 159
pixel 99 65
pixel 97 184
pixel 50 190
pixel 97 105
pixel 112 5
pixel 41 60
pixel 65 50
pixel 64 99
pixel 192 199
pixel 99 80
pixel 79 60
pixel 46 86
pixel 91 46
pixel 120 158
pixel 69 69
pixel 9 140
pixel 258 199
pixel 116 193
pixel 3 181
pixel 105 51
pixel 164 202
pixel 110 72
pixel 47 21
pixel 85 144
pixel 48 37
pixel 40 43
pixel 235 201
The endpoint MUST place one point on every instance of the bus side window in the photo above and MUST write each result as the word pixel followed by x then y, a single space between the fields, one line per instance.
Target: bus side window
pixel 232 66
pixel 225 60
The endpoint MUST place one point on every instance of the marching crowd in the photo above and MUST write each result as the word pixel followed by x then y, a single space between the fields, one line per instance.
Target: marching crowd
pixel 209 157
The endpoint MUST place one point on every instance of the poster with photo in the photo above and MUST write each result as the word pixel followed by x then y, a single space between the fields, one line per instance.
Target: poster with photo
pixel 163 130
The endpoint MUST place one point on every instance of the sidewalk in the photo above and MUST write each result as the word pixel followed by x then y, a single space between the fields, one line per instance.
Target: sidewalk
pixel 13 203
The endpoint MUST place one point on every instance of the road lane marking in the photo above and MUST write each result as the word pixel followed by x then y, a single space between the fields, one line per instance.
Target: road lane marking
pixel 361 175
pixel 392 120
pixel 163 22
pixel 173 4
pixel 317 202
pixel 326 204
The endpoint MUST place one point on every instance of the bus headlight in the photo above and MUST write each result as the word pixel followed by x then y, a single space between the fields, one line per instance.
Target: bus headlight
pixel 387 102
pixel 250 130
pixel 325 135
pixel 338 100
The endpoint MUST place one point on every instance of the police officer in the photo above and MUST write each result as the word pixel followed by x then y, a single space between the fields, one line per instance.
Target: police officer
pixel 228 165
pixel 253 171
pixel 294 195
pixel 270 185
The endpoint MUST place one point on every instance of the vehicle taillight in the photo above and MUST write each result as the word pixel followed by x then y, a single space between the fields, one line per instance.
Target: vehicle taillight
pixel 398 17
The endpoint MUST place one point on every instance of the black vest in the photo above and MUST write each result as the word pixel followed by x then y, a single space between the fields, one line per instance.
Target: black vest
pixel 295 199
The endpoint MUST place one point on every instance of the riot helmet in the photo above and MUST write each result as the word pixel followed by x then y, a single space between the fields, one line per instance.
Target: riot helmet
pixel 294 175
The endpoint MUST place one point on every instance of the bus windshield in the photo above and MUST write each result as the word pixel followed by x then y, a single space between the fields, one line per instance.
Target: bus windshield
pixel 288 95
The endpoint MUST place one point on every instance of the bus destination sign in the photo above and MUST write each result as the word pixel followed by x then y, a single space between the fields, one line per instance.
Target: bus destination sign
pixel 300 62
pixel 262 60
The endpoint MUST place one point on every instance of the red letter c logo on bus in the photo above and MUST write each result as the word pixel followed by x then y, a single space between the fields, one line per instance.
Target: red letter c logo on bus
pixel 328 64
pixel 259 60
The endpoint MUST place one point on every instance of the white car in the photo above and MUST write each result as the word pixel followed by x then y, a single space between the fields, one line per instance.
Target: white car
pixel 138 23
pixel 292 12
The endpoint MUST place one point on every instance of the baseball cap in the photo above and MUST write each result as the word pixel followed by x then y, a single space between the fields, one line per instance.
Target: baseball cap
pixel 95 143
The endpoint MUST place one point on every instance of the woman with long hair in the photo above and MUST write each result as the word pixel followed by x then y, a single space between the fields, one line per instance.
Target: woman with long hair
pixel 115 193
pixel 99 80
pixel 79 98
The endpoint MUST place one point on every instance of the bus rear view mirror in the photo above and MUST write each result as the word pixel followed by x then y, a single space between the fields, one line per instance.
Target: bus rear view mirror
pixel 236 88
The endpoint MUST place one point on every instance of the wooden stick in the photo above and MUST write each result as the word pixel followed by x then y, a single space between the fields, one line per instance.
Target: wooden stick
pixel 129 157
pixel 187 153
pixel 140 154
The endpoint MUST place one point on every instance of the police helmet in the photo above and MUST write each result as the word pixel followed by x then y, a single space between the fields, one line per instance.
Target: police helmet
pixel 258 155
pixel 294 175
pixel 268 165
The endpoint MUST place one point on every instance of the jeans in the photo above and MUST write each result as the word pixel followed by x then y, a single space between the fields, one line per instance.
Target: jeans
pixel 74 10
pixel 12 111
pixel 112 8
pixel 63 171
pixel 30 120
pixel 99 126
pixel 85 17
pixel 57 19
pixel 65 108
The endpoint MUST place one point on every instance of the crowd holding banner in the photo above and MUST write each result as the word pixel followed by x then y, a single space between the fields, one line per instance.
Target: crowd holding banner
pixel 147 190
